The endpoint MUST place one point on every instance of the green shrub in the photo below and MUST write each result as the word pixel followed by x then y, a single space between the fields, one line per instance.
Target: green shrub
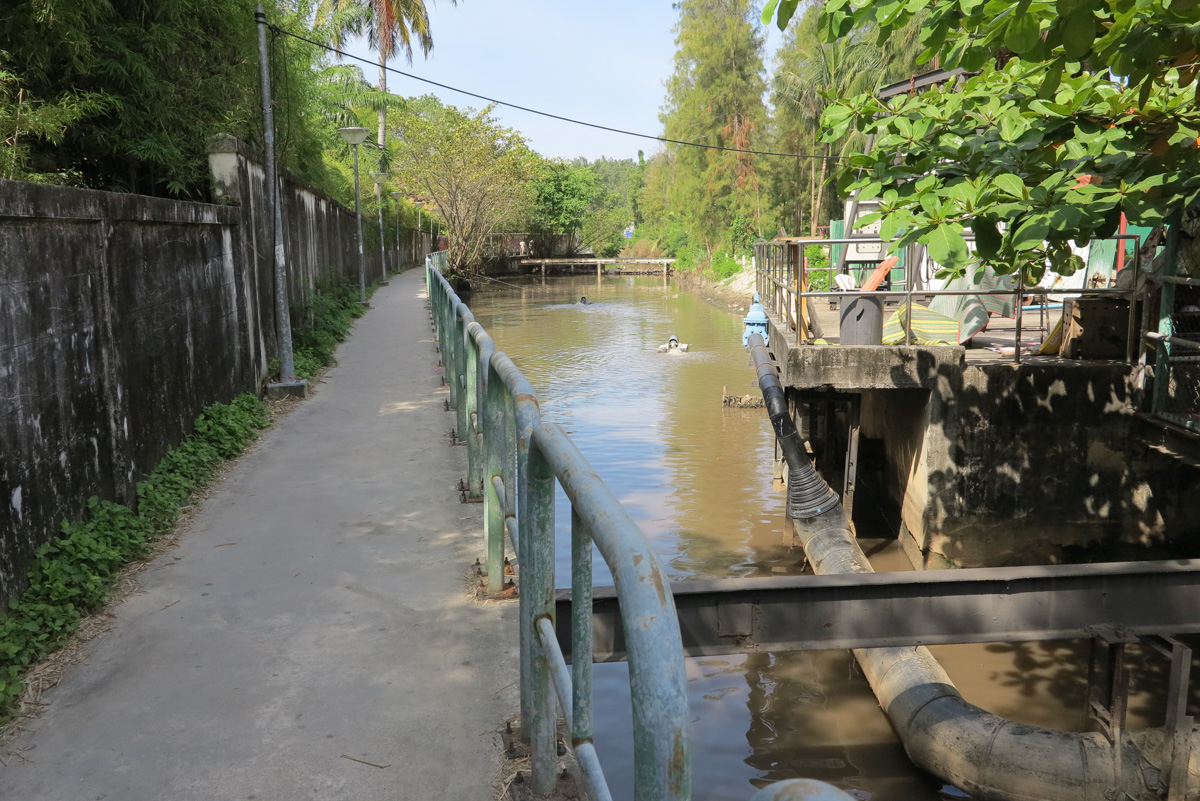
pixel 72 575
pixel 321 323
pixel 724 266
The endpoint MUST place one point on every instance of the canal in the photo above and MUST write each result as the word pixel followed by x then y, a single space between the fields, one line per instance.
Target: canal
pixel 697 478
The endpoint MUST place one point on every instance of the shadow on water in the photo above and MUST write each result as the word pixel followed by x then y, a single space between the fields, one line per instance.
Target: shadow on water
pixel 698 481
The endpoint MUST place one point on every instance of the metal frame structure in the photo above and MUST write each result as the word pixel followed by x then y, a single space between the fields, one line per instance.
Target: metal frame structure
pixel 1117 601
pixel 1169 349
pixel 782 283
pixel 514 461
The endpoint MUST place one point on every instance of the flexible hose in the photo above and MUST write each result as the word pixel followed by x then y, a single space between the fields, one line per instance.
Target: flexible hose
pixel 808 495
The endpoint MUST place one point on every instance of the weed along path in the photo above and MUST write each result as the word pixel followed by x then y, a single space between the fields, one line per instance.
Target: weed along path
pixel 311 636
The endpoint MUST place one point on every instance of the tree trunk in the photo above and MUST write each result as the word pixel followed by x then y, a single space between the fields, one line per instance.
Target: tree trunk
pixel 382 111
pixel 818 209
pixel 812 191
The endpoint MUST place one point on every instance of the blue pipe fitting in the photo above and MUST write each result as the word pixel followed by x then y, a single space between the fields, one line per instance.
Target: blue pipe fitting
pixel 755 321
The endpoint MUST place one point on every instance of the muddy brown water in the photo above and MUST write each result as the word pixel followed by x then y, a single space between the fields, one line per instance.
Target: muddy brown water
pixel 697 478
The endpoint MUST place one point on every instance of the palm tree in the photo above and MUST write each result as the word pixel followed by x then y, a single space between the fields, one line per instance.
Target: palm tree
pixel 391 27
pixel 811 74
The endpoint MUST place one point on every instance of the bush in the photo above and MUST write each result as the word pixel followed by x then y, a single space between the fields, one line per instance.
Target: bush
pixel 321 323
pixel 724 266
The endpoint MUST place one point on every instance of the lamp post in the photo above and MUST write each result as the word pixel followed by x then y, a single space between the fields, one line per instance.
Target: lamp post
pixel 379 176
pixel 354 137
pixel 288 383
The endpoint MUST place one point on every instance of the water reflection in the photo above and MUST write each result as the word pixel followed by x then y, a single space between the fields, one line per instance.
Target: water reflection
pixel 697 479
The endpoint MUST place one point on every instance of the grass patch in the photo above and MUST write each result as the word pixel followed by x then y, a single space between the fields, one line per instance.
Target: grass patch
pixel 72 575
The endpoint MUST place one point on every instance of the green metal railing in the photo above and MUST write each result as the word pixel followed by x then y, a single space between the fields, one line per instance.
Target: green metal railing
pixel 1176 343
pixel 514 461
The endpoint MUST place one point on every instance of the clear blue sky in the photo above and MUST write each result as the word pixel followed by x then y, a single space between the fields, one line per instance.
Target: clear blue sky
pixel 602 62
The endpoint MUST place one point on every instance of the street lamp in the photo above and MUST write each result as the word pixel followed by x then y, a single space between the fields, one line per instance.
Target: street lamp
pixel 354 137
pixel 379 176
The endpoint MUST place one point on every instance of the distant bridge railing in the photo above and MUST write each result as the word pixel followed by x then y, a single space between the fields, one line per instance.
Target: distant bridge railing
pixel 514 460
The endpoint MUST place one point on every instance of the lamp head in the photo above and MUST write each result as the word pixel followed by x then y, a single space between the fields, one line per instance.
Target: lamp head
pixel 354 135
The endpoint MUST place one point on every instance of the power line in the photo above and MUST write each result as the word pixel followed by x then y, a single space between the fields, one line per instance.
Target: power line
pixel 344 54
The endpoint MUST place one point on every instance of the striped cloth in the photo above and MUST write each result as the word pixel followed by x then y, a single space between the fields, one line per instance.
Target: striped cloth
pixel 928 327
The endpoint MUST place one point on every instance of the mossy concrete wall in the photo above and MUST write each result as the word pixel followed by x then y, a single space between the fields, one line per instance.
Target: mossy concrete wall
pixel 998 464
pixel 121 317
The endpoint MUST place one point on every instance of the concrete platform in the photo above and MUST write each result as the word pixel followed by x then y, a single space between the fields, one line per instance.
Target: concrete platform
pixel 315 613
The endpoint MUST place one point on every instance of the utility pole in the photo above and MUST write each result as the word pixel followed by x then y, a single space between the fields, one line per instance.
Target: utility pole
pixel 288 383
pixel 379 176
pixel 354 137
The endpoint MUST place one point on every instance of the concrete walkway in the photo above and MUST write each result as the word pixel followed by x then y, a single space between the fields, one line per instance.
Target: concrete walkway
pixel 315 607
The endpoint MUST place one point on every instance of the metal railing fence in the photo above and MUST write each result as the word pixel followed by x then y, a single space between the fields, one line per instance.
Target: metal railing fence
pixel 781 280
pixel 514 461
pixel 1176 397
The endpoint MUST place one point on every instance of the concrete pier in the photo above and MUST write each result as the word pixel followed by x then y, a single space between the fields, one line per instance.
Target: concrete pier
pixel 982 462
pixel 311 636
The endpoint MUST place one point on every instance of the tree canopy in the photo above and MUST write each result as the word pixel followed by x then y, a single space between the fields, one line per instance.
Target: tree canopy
pixel 714 97
pixel 476 173
pixel 1077 111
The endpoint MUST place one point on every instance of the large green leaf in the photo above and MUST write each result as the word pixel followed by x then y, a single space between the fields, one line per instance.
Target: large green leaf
pixel 1078 33
pixel 1022 34
pixel 1030 233
pixel 987 237
pixel 947 246
pixel 1010 184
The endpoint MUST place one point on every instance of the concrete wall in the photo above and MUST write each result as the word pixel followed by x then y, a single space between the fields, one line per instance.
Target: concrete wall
pixel 997 464
pixel 120 318
pixel 320 237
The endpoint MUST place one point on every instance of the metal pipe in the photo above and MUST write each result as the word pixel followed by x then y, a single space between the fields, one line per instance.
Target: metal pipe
pixel 559 672
pixel 283 321
pixel 362 259
pixel 1180 342
pixel 524 415
pixel 581 630
pixel 594 785
pixel 989 757
pixel 537 589
pixel 479 353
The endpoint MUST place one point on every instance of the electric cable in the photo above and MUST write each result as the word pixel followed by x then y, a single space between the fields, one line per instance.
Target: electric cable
pixel 559 117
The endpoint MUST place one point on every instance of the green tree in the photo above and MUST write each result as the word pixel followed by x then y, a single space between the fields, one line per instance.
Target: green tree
pixel 563 193
pixel 149 84
pixel 476 174
pixel 810 75
pixel 24 120
pixel 1081 110
pixel 613 208
pixel 714 97
pixel 172 73
pixel 392 27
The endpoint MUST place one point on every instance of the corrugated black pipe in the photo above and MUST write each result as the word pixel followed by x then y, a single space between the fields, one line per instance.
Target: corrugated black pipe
pixel 808 495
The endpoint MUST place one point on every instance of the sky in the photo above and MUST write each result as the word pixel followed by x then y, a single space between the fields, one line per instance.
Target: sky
pixel 596 61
